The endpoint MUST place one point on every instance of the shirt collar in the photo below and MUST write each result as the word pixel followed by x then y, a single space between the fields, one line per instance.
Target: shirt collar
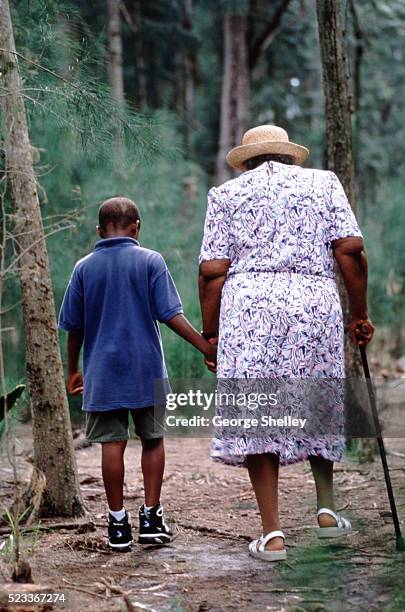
pixel 116 241
pixel 270 167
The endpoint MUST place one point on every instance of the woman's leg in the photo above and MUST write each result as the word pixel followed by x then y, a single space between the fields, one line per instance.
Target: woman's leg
pixel 322 470
pixel 263 473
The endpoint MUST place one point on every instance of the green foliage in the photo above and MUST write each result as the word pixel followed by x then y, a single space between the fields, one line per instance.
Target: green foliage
pixel 73 127
pixel 384 229
pixel 12 397
pixel 166 159
pixel 20 537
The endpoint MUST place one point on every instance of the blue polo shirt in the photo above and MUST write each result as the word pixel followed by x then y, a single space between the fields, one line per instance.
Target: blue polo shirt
pixel 115 297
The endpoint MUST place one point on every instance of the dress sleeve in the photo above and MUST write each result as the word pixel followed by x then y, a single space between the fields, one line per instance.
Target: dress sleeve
pixel 215 243
pixel 166 302
pixel 342 222
pixel 71 315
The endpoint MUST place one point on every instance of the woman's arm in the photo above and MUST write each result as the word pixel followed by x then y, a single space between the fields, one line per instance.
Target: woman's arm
pixel 350 255
pixel 211 280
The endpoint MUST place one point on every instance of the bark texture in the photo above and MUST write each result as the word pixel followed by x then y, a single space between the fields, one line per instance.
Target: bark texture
pixel 339 151
pixel 115 72
pixel 339 154
pixel 53 443
pixel 235 90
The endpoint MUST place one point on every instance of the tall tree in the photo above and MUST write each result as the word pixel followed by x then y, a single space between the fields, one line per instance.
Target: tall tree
pixel 235 89
pixel 139 59
pixel 240 57
pixel 339 151
pixel 115 71
pixel 188 58
pixel 189 61
pixel 53 444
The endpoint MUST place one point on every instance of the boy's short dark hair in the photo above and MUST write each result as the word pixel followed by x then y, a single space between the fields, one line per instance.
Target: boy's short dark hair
pixel 121 212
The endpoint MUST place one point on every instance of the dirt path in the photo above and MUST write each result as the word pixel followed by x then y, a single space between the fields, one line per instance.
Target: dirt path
pixel 207 567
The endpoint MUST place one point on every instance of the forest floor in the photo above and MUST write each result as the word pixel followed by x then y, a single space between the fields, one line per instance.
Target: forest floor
pixel 207 567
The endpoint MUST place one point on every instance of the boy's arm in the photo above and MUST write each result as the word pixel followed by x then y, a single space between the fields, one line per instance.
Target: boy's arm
pixel 183 328
pixel 75 378
pixel 71 320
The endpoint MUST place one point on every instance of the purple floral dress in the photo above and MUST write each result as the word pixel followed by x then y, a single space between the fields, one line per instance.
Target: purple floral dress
pixel 280 309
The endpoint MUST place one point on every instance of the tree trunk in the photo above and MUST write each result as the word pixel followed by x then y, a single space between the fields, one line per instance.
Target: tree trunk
pixel 139 62
pixel 115 72
pixel 53 443
pixel 235 90
pixel 339 153
pixel 357 87
pixel 189 60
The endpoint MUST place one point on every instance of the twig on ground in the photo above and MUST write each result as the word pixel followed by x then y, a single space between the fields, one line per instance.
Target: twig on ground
pixel 112 587
pixel 74 587
pixel 52 526
pixel 367 562
pixel 374 554
pixel 298 590
pixel 351 488
pixel 155 587
pixel 128 604
pixel 215 532
pixel 389 451
pixel 136 605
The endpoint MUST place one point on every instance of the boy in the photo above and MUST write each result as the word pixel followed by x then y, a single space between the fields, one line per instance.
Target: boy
pixel 113 301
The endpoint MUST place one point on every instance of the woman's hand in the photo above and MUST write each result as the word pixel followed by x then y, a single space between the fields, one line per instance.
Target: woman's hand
pixel 361 331
pixel 75 383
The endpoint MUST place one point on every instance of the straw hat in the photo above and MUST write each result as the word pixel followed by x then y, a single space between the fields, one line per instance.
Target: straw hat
pixel 265 140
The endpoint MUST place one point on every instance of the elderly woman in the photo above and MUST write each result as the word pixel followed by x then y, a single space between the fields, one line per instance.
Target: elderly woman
pixel 269 298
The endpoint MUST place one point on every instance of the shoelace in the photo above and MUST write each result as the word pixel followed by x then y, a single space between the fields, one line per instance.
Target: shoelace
pixel 159 513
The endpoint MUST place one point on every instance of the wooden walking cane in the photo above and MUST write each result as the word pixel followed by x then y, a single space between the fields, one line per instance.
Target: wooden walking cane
pixel 400 543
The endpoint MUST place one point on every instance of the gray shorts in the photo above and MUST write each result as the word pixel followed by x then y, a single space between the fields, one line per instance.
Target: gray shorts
pixel 113 425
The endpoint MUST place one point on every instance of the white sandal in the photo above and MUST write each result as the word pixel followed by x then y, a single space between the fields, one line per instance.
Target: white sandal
pixel 257 548
pixel 343 525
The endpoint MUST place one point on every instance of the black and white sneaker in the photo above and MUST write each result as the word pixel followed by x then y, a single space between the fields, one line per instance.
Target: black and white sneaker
pixel 152 526
pixel 120 533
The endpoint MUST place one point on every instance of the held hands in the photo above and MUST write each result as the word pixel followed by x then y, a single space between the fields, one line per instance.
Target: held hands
pixel 361 331
pixel 211 354
pixel 75 383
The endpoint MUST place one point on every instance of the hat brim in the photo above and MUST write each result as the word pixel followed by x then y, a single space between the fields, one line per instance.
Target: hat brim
pixel 236 157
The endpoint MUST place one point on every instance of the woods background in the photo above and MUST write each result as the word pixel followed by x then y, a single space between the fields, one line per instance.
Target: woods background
pixel 144 99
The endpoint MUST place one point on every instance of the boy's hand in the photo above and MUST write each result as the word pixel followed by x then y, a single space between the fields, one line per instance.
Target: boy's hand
pixel 75 383
pixel 211 354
